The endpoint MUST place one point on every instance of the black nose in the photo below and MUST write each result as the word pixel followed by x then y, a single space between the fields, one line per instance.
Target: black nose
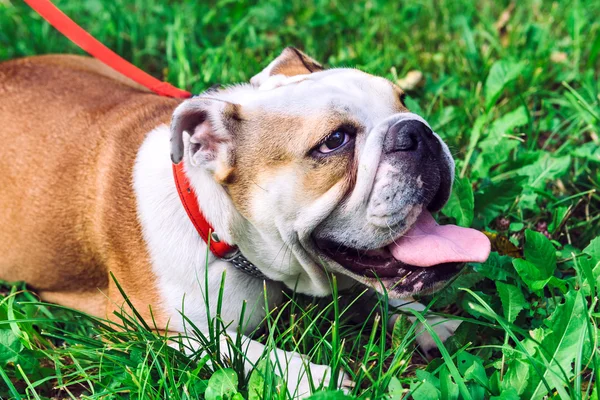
pixel 411 136
pixel 415 146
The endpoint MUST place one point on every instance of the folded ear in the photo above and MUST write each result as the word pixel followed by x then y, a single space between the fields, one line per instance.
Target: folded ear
pixel 210 124
pixel 291 62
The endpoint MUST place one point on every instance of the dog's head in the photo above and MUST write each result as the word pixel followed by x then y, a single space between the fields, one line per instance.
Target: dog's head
pixel 329 172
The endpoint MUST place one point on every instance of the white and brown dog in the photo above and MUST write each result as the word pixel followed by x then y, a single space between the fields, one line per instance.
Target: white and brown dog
pixel 307 171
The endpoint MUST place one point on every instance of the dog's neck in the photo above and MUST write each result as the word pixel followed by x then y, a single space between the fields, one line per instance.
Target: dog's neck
pixel 281 260
pixel 178 254
pixel 159 206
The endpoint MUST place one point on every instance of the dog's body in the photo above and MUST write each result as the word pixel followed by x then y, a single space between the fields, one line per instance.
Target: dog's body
pixel 64 178
pixel 88 190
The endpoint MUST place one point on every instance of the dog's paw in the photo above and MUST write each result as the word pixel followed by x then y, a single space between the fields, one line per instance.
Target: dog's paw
pixel 443 327
pixel 300 374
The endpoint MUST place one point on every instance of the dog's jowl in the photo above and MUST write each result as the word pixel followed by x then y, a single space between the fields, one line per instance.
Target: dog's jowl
pixel 306 171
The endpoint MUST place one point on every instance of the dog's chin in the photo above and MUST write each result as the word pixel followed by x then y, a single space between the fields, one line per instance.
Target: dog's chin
pixel 381 271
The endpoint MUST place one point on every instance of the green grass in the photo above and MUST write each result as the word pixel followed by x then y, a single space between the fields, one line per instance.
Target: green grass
pixel 519 107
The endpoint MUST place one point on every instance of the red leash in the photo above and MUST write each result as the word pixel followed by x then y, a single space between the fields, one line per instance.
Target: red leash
pixel 88 43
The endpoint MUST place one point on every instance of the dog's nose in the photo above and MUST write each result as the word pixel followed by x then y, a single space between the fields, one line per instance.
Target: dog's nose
pixel 411 136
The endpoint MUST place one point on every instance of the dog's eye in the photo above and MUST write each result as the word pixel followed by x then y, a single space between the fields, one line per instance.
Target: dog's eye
pixel 334 142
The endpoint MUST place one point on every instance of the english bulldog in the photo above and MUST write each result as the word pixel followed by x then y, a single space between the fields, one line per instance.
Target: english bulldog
pixel 308 172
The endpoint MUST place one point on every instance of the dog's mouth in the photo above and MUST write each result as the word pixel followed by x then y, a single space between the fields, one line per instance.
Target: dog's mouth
pixel 426 255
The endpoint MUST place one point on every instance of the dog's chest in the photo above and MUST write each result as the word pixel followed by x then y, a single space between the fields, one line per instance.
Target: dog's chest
pixel 186 273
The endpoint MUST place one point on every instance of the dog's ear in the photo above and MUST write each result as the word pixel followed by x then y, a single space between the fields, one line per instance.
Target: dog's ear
pixel 291 62
pixel 210 125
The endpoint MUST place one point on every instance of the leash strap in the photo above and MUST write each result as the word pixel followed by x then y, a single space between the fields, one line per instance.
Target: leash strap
pixel 89 44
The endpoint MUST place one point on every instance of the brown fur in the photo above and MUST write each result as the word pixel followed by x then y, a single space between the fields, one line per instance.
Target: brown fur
pixel 71 129
pixel 293 62
pixel 401 107
pixel 265 155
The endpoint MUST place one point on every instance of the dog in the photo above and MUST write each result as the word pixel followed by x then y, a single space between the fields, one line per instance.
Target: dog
pixel 309 172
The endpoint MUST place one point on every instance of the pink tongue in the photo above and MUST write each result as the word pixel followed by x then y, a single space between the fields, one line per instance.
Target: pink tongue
pixel 426 243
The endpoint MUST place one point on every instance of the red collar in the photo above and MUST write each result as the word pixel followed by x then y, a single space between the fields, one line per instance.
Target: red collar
pixel 188 198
